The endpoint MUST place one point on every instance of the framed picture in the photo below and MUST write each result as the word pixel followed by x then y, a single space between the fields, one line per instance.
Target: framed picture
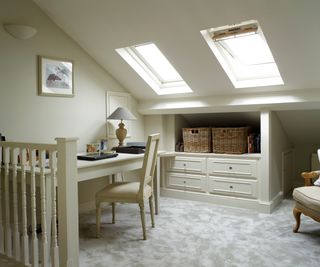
pixel 55 77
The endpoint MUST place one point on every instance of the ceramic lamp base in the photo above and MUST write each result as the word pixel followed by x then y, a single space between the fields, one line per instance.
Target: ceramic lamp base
pixel 121 133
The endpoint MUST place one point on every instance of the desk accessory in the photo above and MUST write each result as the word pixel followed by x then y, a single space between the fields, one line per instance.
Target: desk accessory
pixel 93 148
pixel 97 156
pixel 121 114
pixel 137 144
pixel 130 149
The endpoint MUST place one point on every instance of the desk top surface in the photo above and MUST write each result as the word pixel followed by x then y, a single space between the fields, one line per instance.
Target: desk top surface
pixel 120 157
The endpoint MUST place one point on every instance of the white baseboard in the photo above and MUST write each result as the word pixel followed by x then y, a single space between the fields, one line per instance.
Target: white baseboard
pixel 210 198
pixel 269 206
pixel 253 204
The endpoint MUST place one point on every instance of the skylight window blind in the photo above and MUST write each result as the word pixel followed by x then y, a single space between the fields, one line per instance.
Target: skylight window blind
pixel 244 54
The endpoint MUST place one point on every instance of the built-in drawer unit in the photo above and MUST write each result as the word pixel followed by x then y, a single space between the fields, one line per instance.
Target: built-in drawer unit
pixel 234 187
pixel 189 182
pixel 187 164
pixel 233 167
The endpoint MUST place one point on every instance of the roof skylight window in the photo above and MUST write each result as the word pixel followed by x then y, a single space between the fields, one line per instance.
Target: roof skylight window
pixel 152 66
pixel 244 54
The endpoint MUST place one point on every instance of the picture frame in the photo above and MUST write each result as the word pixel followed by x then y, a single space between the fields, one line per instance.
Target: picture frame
pixel 55 77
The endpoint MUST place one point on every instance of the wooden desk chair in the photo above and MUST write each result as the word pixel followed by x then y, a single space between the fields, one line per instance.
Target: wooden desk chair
pixel 133 192
pixel 307 198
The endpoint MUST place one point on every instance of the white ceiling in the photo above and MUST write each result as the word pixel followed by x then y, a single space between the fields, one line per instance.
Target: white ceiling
pixel 291 27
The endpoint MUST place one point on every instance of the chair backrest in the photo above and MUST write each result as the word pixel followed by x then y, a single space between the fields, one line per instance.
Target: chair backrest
pixel 149 162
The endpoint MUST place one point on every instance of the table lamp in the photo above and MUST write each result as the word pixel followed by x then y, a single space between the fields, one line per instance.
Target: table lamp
pixel 121 114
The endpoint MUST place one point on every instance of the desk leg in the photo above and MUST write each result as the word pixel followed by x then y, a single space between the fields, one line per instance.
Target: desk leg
pixel 157 186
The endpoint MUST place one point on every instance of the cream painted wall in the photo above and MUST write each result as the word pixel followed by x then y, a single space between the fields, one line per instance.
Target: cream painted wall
pixel 279 143
pixel 155 124
pixel 25 116
pixel 302 160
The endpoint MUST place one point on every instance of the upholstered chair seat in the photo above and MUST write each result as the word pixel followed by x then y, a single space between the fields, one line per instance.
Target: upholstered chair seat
pixel 122 191
pixel 308 198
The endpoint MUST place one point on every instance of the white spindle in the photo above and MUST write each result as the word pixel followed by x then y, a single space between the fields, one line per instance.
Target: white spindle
pixel 34 256
pixel 44 240
pixel 64 247
pixel 54 232
pixel 16 234
pixel 25 238
pixel 1 220
pixel 7 228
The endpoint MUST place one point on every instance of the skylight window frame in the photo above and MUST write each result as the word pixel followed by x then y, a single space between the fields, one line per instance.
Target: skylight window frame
pixel 214 37
pixel 150 75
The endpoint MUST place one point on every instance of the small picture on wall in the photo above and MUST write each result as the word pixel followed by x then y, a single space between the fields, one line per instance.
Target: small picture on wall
pixel 55 77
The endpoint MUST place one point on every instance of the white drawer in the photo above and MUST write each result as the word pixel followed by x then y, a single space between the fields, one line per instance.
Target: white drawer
pixel 186 164
pixel 234 187
pixel 230 167
pixel 186 181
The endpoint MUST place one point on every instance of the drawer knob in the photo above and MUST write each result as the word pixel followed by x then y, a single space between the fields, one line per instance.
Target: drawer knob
pixel 231 187
pixel 184 164
pixel 184 182
pixel 230 168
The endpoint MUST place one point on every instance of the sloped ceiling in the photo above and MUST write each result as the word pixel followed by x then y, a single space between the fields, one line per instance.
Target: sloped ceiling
pixel 301 126
pixel 291 28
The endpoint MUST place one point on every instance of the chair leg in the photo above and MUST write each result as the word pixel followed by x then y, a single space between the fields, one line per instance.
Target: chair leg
pixel 143 221
pixel 98 219
pixel 297 215
pixel 151 205
pixel 113 212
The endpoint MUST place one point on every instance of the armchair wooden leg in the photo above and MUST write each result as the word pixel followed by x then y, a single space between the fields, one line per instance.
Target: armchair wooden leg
pixel 143 221
pixel 113 212
pixel 297 215
pixel 151 204
pixel 98 219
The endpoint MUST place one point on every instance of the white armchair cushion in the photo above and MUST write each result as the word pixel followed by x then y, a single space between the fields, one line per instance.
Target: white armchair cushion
pixel 308 196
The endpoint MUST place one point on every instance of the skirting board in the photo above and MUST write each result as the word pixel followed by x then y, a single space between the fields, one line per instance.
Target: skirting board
pixel 270 206
pixel 253 204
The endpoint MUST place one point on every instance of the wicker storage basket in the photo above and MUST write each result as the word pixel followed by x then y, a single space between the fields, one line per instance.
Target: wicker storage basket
pixel 230 140
pixel 197 139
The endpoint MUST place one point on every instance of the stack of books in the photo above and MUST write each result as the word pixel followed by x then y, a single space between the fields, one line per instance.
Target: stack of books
pixel 254 143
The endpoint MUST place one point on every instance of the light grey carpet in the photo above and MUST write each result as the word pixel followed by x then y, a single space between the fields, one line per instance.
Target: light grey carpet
pixel 196 234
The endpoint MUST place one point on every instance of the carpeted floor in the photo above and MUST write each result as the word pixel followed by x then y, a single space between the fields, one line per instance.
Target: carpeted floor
pixel 196 234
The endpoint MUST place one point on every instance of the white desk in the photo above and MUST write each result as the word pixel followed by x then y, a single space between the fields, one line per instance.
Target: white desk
pixel 88 170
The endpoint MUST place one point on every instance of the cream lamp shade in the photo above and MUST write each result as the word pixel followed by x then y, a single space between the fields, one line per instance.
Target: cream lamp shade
pixel 121 114
pixel 21 32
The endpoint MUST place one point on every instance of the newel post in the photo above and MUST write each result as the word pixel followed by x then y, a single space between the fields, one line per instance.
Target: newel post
pixel 68 220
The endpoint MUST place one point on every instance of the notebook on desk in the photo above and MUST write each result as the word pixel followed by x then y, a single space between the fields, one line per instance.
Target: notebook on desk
pixel 97 156
pixel 129 149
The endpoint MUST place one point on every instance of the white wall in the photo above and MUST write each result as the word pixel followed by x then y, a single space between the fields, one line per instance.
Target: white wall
pixel 279 142
pixel 155 124
pixel 25 116
pixel 302 155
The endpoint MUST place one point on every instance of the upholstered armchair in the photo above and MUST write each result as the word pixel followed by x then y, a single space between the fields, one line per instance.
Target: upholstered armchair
pixel 307 198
